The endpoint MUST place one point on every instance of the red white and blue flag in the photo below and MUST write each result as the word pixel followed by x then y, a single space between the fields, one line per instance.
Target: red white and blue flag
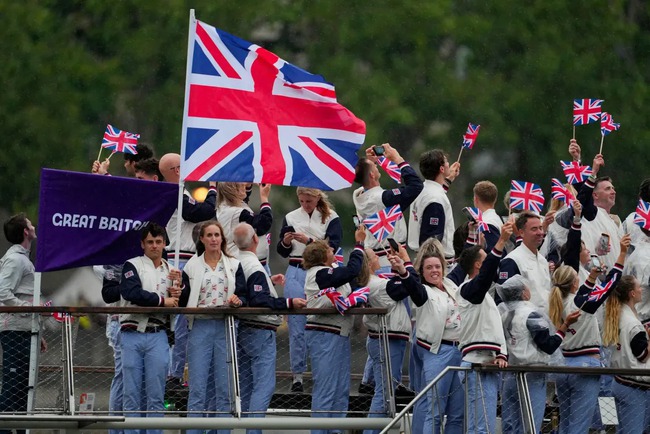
pixel 359 296
pixel 607 124
pixel 586 111
pixel 477 215
pixel 526 196
pixel 600 290
pixel 117 140
pixel 390 168
pixel 574 172
pixel 250 116
pixel 386 275
pixel 338 256
pixel 560 192
pixel 469 138
pixel 642 214
pixel 340 303
pixel 382 223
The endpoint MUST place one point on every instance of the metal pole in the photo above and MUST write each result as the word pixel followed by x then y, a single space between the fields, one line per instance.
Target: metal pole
pixel 234 364
pixel 389 390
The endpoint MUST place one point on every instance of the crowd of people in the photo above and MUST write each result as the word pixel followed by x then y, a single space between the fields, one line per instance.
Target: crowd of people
pixel 522 289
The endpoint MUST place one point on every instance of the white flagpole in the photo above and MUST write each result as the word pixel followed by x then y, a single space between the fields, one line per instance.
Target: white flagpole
pixel 35 347
pixel 602 139
pixel 181 183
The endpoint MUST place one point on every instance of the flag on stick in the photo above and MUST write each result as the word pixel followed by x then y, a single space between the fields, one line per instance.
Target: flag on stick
pixel 642 214
pixel 574 172
pixel 560 192
pixel 117 140
pixel 382 223
pixel 526 196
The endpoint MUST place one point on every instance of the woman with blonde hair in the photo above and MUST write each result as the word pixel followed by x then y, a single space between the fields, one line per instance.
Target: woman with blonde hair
pixel 581 347
pixel 626 334
pixel 232 209
pixel 315 219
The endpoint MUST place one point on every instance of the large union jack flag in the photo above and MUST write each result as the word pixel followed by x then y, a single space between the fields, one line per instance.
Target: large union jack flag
pixel 526 196
pixel 390 168
pixel 574 172
pixel 599 291
pixel 642 214
pixel 607 124
pixel 560 192
pixel 586 111
pixel 250 116
pixel 382 223
pixel 120 141
pixel 469 138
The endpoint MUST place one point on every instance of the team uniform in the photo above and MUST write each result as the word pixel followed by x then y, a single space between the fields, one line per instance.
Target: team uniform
pixel 638 265
pixel 532 266
pixel 145 349
pixel 370 201
pixel 431 216
pixel 328 339
pixel 256 339
pixel 230 216
pixel 207 354
pixel 481 341
pixel 294 286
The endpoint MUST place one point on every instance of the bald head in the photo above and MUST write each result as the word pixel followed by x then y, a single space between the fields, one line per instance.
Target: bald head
pixel 244 237
pixel 170 167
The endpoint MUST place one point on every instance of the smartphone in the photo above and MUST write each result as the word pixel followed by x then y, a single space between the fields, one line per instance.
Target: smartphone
pixel 289 229
pixel 393 244
pixel 469 216
pixel 603 244
pixel 595 263
pixel 355 220
pixel 378 150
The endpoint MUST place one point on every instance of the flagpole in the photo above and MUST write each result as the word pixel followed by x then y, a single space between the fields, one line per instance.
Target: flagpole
pixel 574 132
pixel 109 157
pixel 461 153
pixel 100 152
pixel 602 139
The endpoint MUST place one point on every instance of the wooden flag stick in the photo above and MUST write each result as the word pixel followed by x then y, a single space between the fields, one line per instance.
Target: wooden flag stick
pixel 100 152
pixel 602 139
pixel 112 153
pixel 461 153
pixel 574 132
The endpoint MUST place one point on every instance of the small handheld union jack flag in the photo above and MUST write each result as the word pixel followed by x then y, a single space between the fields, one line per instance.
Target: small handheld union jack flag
pixel 477 215
pixel 390 168
pixel 340 303
pixel 526 196
pixel 359 296
pixel 469 138
pixel 607 124
pixel 600 290
pixel 586 110
pixel 382 223
pixel 386 275
pixel 560 192
pixel 117 140
pixel 574 172
pixel 338 256
pixel 642 214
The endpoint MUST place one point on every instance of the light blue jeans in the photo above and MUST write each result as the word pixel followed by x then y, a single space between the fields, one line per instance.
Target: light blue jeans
pixel 145 357
pixel 512 422
pixel 416 380
pixel 330 364
pixel 115 397
pixel 181 332
pixel 447 396
pixel 256 370
pixel 207 357
pixel 294 287
pixel 481 399
pixel 631 407
pixel 578 396
pixel 396 348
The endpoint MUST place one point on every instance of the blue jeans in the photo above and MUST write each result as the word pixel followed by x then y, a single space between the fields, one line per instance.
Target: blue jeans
pixel 631 406
pixel 145 357
pixel 396 348
pixel 511 404
pixel 294 287
pixel 330 364
pixel 416 380
pixel 115 398
pixel 179 350
pixel 256 370
pixel 578 396
pixel 207 357
pixel 447 395
pixel 482 391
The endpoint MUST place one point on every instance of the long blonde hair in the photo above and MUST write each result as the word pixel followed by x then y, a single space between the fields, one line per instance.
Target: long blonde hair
pixel 563 280
pixel 324 206
pixel 620 295
pixel 228 192
pixel 364 275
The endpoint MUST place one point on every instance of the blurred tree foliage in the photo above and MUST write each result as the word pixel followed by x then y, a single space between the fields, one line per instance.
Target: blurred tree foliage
pixel 416 71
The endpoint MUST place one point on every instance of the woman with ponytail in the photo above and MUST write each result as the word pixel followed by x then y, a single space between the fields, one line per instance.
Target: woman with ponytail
pixel 626 334
pixel 581 346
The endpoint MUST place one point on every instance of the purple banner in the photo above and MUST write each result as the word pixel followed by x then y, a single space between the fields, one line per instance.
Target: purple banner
pixel 87 219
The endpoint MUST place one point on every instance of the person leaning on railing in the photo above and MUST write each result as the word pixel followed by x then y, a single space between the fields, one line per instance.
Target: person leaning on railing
pixel 328 336
pixel 625 332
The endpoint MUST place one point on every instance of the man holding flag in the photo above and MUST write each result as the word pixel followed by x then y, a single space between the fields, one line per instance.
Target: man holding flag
pixel 370 198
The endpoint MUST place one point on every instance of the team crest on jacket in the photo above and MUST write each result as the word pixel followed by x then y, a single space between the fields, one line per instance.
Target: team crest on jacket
pixel 191 200
pixel 257 288
pixel 433 221
pixel 128 274
pixel 396 191
pixel 503 275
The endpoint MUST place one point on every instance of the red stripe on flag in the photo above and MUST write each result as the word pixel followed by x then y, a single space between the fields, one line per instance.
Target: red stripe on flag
pixel 216 53
pixel 198 173
pixel 326 158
